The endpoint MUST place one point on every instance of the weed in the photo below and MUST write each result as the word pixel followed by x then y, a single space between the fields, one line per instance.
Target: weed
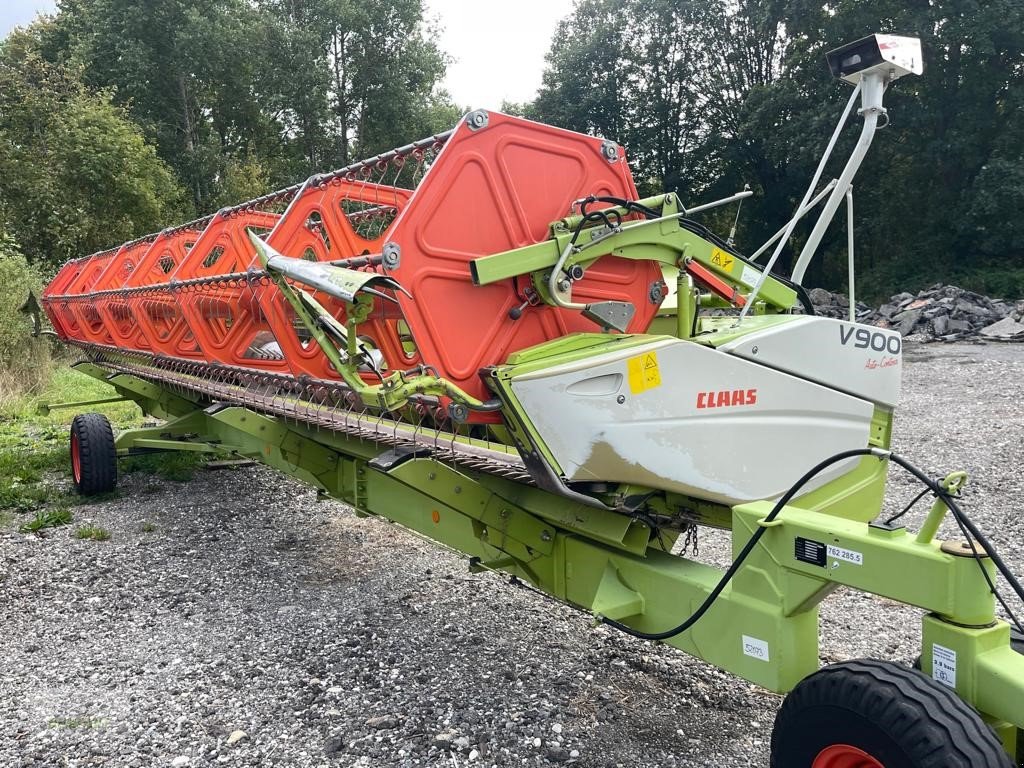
pixel 33 446
pixel 170 465
pixel 148 526
pixel 91 532
pixel 50 518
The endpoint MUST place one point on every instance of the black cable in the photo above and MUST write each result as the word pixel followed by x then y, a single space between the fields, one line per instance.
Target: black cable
pixel 988 579
pixel 907 508
pixel 747 549
pixel 971 533
pixel 630 205
pixel 967 527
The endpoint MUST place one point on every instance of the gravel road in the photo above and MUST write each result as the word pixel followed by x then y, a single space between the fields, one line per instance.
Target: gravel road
pixel 237 620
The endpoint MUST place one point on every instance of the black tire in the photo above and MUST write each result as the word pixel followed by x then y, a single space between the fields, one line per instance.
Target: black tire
pixel 93 456
pixel 896 717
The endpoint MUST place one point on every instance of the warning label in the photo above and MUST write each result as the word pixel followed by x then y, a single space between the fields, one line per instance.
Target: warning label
pixel 644 373
pixel 944 665
pixel 722 259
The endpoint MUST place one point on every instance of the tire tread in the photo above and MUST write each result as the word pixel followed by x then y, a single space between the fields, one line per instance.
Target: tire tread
pixel 951 732
pixel 96 452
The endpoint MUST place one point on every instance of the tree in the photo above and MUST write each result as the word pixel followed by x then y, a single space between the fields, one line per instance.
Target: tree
pixel 292 86
pixel 76 175
pixel 709 95
pixel 377 74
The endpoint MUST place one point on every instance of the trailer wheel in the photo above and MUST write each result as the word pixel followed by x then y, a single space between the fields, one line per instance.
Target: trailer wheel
pixel 93 456
pixel 875 714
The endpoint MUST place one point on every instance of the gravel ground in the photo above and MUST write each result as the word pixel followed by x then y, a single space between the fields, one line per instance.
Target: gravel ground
pixel 240 603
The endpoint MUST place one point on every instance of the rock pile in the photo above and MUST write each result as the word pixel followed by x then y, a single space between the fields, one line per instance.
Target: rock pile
pixel 938 313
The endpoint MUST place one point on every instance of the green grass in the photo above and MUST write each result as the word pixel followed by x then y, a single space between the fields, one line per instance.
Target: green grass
pixel 91 532
pixel 50 518
pixel 34 460
pixel 173 465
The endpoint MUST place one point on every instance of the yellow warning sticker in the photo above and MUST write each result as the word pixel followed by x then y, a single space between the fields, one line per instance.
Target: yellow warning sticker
pixel 644 373
pixel 722 259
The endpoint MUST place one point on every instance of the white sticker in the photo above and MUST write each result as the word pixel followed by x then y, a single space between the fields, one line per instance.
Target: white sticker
pixel 749 275
pixel 846 555
pixel 944 665
pixel 755 648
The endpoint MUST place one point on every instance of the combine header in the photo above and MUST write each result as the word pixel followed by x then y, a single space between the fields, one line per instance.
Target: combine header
pixel 488 338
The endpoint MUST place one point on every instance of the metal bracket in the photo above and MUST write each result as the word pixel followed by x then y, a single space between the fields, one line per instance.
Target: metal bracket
pixel 611 314
pixel 477 120
pixel 610 150
pixel 392 255
pixel 396 457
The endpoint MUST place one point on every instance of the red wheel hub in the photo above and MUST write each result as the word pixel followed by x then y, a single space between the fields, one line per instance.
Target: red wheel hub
pixel 844 756
pixel 76 459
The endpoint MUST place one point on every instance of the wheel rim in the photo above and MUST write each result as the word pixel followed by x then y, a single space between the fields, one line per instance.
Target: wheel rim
pixel 76 460
pixel 844 756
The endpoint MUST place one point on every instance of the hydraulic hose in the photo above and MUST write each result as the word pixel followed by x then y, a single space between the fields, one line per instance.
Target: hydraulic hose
pixel 748 548
pixel 969 529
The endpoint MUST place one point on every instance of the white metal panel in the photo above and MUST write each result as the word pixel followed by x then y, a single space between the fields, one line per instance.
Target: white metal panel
pixel 703 422
pixel 862 360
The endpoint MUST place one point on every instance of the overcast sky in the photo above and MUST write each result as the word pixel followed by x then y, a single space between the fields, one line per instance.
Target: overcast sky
pixel 498 47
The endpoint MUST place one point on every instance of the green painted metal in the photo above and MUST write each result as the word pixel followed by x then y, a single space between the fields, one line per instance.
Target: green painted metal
pixel 763 627
pixel 980 664
pixel 396 388
pixel 952 483
pixel 44 409
pixel 662 240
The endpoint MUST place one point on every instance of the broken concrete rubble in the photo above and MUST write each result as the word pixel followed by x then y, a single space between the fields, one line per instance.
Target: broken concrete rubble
pixel 938 313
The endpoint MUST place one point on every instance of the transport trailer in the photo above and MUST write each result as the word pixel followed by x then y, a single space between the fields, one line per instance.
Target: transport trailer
pixel 489 339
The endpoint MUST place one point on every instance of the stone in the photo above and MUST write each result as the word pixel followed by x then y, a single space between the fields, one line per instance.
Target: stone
pixel 237 736
pixel 1005 329
pixel 907 321
pixel 180 761
pixel 557 754
pixel 334 746
pixel 819 296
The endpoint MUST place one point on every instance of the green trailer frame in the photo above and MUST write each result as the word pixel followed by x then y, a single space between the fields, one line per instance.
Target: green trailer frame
pixel 764 625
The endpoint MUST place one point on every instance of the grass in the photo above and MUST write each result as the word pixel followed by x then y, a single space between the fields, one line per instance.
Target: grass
pixel 34 448
pixel 50 518
pixel 34 463
pixel 91 532
pixel 173 465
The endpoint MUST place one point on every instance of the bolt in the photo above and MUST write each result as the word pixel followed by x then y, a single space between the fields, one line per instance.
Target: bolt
pixel 563 284
pixel 753 350
pixel 545 536
pixel 458 489
pixel 431 476
pixel 505 513
pixel 620 399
